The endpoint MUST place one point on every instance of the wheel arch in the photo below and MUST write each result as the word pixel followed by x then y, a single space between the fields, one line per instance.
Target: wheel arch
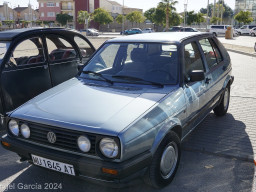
pixel 175 127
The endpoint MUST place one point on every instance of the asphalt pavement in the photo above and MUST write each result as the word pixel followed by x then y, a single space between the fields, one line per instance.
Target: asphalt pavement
pixel 216 157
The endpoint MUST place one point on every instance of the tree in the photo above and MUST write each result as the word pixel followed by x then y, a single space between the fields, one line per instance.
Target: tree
pixel 191 17
pixel 102 17
pixel 8 23
pixel 82 17
pixel 169 5
pixel 244 17
pixel 135 17
pixel 120 19
pixel 63 18
pixel 149 14
pixel 227 11
pixel 214 20
pixel 200 18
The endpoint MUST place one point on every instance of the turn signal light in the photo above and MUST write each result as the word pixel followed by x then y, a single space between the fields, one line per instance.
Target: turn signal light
pixel 110 171
pixel 5 144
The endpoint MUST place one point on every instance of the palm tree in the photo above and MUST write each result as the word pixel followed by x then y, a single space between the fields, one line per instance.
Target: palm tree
pixel 170 5
pixel 82 17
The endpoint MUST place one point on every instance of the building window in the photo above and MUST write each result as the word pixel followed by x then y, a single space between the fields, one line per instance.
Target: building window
pixel 50 4
pixel 51 14
pixel 57 4
pixel 42 4
pixel 42 14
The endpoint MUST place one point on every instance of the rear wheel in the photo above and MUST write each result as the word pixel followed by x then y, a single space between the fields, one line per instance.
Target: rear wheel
pixel 222 108
pixel 165 162
pixel 253 34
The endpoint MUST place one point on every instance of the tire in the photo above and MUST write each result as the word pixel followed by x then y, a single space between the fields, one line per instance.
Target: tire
pixel 157 175
pixel 239 33
pixel 253 34
pixel 215 34
pixel 222 108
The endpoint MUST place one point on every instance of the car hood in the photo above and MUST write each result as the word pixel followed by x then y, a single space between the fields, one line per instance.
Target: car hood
pixel 79 106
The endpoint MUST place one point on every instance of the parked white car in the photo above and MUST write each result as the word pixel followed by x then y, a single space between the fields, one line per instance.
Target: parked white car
pixel 245 29
pixel 221 30
pixel 147 30
pixel 253 32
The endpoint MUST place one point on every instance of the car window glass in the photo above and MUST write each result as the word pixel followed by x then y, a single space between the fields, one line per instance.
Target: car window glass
pixel 208 53
pixel 59 49
pixel 216 51
pixel 137 63
pixel 3 49
pixel 192 58
pixel 29 51
pixel 85 48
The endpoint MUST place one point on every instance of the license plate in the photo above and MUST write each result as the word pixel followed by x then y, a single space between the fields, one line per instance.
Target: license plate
pixel 53 165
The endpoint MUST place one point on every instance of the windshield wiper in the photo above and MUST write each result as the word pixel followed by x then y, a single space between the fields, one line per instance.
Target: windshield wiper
pixel 98 75
pixel 127 77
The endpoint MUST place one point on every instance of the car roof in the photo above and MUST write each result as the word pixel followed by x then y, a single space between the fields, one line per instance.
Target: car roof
pixel 159 37
pixel 11 34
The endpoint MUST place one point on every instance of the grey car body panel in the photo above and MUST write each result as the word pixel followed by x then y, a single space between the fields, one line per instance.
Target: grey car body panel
pixel 62 108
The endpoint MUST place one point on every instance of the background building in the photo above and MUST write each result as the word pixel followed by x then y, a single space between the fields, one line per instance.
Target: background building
pixel 246 5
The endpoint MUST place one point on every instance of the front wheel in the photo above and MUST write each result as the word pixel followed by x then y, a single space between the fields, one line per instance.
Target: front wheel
pixel 222 108
pixel 253 34
pixel 165 162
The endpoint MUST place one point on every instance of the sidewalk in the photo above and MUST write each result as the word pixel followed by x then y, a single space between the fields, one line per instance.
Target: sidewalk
pixel 241 44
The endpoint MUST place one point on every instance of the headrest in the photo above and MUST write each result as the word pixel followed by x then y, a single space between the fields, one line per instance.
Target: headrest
pixel 138 55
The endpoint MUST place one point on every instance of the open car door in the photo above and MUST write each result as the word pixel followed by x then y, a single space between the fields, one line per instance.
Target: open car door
pixel 25 75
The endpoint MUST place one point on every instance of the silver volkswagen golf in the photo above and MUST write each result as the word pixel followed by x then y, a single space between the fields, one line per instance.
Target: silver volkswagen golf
pixel 126 113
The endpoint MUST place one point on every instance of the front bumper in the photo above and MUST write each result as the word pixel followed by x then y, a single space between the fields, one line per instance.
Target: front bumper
pixel 85 167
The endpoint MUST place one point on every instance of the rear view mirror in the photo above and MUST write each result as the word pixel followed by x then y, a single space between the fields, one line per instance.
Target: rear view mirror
pixel 196 75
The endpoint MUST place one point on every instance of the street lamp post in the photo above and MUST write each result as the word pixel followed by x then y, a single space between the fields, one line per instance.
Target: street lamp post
pixel 185 11
pixel 123 20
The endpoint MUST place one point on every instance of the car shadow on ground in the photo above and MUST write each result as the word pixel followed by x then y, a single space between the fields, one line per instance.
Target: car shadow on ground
pixel 208 165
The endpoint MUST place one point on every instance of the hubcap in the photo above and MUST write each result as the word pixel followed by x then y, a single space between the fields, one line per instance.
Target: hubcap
pixel 226 98
pixel 169 160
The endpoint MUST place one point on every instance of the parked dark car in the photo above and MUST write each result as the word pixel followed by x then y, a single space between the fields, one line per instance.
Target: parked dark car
pixel 176 29
pixel 34 60
pixel 189 29
pixel 133 31
pixel 124 116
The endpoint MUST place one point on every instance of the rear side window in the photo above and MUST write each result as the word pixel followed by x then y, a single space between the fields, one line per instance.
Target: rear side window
pixel 85 49
pixel 211 52
pixel 29 51
pixel 59 49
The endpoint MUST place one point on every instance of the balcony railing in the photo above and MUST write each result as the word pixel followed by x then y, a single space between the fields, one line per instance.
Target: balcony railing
pixel 67 8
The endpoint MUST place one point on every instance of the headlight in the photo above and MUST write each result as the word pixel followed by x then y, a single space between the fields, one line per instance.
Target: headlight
pixel 25 131
pixel 109 147
pixel 14 127
pixel 84 144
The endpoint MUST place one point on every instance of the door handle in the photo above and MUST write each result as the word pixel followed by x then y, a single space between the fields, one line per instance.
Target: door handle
pixel 207 80
pixel 45 66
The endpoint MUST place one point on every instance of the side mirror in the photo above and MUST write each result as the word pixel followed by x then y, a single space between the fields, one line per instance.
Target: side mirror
pixel 196 75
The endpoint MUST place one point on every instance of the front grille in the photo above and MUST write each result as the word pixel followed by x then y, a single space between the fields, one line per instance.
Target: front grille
pixel 65 139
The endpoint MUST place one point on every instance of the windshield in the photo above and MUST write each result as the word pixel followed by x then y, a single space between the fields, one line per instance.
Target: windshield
pixel 138 63
pixel 3 49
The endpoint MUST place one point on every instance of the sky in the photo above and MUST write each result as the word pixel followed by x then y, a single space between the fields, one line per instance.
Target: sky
pixel 195 5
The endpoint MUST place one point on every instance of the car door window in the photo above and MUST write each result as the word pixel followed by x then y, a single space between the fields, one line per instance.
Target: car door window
pixel 192 58
pixel 59 49
pixel 212 55
pixel 85 49
pixel 29 51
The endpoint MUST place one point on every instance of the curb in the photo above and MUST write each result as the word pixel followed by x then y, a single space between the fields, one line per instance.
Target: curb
pixel 241 52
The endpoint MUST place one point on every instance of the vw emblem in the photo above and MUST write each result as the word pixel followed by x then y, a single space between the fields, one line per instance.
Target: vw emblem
pixel 51 137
